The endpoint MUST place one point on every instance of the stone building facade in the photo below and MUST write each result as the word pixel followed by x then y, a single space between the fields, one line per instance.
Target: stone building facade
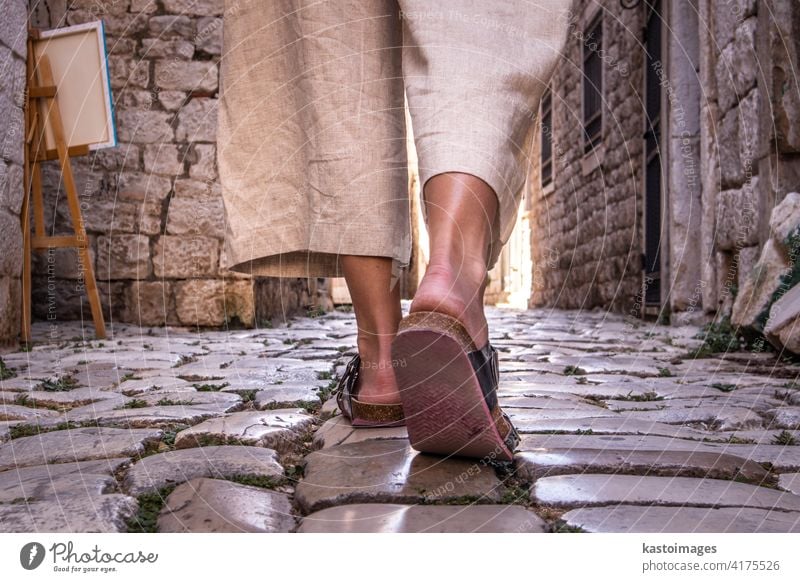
pixel 153 209
pixel 13 51
pixel 668 211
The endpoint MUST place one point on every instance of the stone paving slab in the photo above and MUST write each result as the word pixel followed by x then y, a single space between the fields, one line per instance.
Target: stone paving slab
pixel 608 425
pixel 277 429
pixel 721 417
pixel 760 404
pixel 67 399
pixel 628 405
pixel 639 519
pixel 149 416
pixel 60 480
pixel 398 518
pixel 785 417
pixel 139 385
pixel 530 417
pixel 763 436
pixel 77 444
pixel 782 458
pixel 286 395
pixel 174 467
pixel 603 390
pixel 790 482
pixel 533 465
pixel 597 489
pixel 545 402
pixel 25 413
pixel 339 431
pixel 631 365
pixel 389 471
pixel 96 514
pixel 204 505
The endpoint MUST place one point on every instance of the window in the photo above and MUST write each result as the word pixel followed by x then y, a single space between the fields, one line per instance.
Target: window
pixel 546 115
pixel 592 84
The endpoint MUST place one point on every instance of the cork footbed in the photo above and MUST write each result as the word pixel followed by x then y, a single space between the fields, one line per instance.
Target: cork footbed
pixel 444 407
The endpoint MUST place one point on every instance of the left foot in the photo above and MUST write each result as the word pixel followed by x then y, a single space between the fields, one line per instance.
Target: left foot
pixel 376 382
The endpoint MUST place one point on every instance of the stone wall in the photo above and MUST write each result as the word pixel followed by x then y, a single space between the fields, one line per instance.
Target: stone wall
pixel 13 50
pixel 585 240
pixel 152 205
pixel 730 153
pixel 750 138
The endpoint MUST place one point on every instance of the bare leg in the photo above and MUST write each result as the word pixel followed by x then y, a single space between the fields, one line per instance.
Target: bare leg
pixel 461 210
pixel 378 312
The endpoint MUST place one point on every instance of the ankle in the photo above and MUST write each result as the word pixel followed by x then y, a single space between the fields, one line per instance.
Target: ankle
pixel 375 350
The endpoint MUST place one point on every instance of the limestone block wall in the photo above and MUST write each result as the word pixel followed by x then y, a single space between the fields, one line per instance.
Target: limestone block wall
pixel 13 52
pixel 586 243
pixel 152 206
pixel 750 142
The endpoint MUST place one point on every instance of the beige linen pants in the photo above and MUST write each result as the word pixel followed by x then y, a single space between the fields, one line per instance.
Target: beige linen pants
pixel 311 143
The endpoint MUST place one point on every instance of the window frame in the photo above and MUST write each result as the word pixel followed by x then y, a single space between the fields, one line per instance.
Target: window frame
pixel 596 22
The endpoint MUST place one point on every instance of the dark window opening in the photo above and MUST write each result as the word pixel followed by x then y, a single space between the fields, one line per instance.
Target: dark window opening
pixel 593 84
pixel 652 154
pixel 547 138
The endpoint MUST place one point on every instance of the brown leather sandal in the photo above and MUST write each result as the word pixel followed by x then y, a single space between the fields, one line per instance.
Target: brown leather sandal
pixel 449 390
pixel 364 414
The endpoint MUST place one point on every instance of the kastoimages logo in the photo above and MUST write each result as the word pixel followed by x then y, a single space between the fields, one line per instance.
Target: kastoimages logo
pixel 31 555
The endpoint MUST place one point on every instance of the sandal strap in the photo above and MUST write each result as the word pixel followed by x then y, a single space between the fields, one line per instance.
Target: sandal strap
pixel 351 407
pixel 487 369
pixel 344 389
pixel 485 364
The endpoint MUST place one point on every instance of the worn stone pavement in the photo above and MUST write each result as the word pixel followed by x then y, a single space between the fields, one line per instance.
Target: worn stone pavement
pixel 173 430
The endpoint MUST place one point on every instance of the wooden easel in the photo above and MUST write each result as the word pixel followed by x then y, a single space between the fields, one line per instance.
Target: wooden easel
pixel 42 86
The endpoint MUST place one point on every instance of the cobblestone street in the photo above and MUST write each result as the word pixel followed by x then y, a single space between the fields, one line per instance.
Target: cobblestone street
pixel 626 427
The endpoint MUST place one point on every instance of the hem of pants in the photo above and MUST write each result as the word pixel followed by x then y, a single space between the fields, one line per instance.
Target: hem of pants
pixel 301 259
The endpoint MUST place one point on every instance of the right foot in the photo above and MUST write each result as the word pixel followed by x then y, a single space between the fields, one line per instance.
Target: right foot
pixel 457 292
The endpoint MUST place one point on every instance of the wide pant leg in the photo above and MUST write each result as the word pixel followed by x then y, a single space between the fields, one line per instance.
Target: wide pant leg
pixel 311 138
pixel 311 141
pixel 474 72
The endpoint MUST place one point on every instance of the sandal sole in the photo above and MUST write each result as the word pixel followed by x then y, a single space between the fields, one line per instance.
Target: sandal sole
pixel 444 407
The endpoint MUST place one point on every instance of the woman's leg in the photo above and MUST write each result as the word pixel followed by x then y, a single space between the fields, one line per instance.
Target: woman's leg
pixel 461 210
pixel 376 302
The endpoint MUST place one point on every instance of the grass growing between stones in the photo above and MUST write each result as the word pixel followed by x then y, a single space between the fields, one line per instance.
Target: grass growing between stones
pixel 60 384
pixel 169 402
pixel 722 337
pixel 5 371
pixel 561 526
pixel 150 505
pixel 325 392
pixel 25 400
pixel 262 481
pixel 134 403
pixel 169 434
pixel 649 396
pixel 24 430
pixel 574 371
pixel 210 387
pixel 784 438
